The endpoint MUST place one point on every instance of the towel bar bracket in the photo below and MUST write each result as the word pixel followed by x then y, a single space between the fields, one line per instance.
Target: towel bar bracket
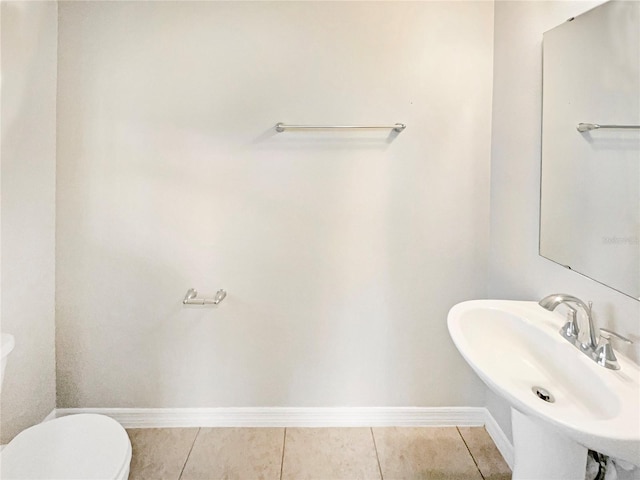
pixel 586 127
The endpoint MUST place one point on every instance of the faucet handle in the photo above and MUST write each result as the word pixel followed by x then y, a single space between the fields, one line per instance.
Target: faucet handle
pixel 571 329
pixel 604 354
pixel 607 334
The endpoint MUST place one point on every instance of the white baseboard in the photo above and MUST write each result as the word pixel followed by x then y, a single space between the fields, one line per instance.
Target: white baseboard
pixel 499 438
pixel 52 414
pixel 306 417
pixel 289 416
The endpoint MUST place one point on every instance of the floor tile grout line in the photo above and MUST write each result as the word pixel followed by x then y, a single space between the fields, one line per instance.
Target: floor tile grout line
pixel 189 454
pixel 469 450
pixel 284 442
pixel 375 447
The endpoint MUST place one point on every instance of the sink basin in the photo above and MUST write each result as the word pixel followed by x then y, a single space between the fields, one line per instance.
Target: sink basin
pixel 515 347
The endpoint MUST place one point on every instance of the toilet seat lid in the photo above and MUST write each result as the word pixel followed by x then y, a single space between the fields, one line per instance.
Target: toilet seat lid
pixel 83 446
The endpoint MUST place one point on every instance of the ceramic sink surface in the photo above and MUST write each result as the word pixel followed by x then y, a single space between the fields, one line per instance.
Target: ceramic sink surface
pixel 514 346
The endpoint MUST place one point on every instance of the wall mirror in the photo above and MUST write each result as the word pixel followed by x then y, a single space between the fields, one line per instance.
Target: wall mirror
pixel 590 179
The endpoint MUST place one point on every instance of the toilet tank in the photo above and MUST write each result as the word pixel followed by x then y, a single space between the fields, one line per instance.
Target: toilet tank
pixel 6 346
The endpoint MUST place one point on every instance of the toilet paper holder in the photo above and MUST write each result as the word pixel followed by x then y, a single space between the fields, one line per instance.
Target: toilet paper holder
pixel 190 298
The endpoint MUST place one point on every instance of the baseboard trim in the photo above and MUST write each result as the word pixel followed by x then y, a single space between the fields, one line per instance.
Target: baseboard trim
pixel 289 416
pixel 52 414
pixel 498 436
pixel 306 417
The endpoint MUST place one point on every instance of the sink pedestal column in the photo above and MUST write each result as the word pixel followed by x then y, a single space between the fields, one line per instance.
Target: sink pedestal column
pixel 542 453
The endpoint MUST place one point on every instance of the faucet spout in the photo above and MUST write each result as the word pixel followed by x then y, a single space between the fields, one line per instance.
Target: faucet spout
pixel 551 302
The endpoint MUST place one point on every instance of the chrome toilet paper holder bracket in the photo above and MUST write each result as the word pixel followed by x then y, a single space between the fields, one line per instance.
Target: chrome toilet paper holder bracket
pixel 190 298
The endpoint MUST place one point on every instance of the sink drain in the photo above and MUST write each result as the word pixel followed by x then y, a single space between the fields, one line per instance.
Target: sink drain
pixel 543 394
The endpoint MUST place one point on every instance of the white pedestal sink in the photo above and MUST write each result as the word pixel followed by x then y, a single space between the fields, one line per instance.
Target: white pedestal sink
pixel 515 348
pixel 543 453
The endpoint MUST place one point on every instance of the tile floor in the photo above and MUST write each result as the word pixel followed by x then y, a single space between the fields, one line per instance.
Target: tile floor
pixel 449 453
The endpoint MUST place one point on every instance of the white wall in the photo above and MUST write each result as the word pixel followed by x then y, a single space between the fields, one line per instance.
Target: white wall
pixel 516 269
pixel 28 111
pixel 341 253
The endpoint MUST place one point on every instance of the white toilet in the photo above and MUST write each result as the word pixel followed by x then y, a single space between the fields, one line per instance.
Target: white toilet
pixel 82 447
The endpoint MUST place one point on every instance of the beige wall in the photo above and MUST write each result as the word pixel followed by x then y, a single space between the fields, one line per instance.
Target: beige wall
pixel 516 269
pixel 28 111
pixel 341 253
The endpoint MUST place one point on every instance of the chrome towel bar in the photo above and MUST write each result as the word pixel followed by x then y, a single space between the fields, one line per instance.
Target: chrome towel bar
pixel 398 127
pixel 585 127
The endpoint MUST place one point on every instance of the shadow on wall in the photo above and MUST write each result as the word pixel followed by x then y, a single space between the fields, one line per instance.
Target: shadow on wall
pixel 28 215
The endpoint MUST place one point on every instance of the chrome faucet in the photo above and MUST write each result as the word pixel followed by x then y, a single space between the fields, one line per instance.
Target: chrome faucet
pixel 601 351
pixel 551 302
